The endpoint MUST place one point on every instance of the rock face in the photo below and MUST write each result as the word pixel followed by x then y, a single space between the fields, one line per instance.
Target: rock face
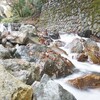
pixel 86 81
pixel 13 89
pixel 47 89
pixel 64 16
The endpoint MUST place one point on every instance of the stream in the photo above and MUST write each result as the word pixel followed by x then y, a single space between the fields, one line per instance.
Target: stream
pixel 84 68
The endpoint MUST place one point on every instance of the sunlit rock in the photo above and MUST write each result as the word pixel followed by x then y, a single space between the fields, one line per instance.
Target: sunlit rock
pixel 13 89
pixel 86 81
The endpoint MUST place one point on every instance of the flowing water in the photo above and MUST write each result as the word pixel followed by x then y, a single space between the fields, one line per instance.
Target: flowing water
pixel 84 68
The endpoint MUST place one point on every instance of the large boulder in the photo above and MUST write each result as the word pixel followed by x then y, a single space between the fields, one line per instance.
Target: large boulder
pixel 23 70
pixel 58 67
pixel 86 81
pixel 13 89
pixel 75 46
pixel 48 89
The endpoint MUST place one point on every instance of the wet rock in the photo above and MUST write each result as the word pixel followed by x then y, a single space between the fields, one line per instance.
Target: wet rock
pixel 75 46
pixel 21 69
pixel 13 89
pixel 86 81
pixel 48 89
pixel 4 53
pixel 86 33
pixel 82 57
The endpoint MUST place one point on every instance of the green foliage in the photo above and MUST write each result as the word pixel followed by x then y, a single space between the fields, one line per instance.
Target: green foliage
pixel 10 20
pixel 22 8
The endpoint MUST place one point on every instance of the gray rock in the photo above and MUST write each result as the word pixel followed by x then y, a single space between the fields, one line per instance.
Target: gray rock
pixel 75 46
pixel 17 37
pixel 4 53
pixel 91 45
pixel 30 29
pixel 30 52
pixel 21 69
pixel 48 89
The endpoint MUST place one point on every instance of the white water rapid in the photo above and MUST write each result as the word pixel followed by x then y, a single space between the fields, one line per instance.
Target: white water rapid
pixel 84 68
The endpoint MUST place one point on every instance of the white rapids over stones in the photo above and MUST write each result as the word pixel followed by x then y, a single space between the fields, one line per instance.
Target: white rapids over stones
pixel 84 68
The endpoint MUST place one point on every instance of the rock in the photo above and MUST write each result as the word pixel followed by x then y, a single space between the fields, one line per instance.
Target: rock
pixel 54 35
pixel 4 53
pixel 82 57
pixel 50 61
pixel 86 81
pixel 95 38
pixel 48 89
pixel 59 43
pixel 94 56
pixel 13 89
pixel 60 67
pixel 75 46
pixel 21 69
pixel 17 37
pixel 86 33
pixel 30 52
pixel 91 45
pixel 29 29
pixel 58 50
pixel 15 26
